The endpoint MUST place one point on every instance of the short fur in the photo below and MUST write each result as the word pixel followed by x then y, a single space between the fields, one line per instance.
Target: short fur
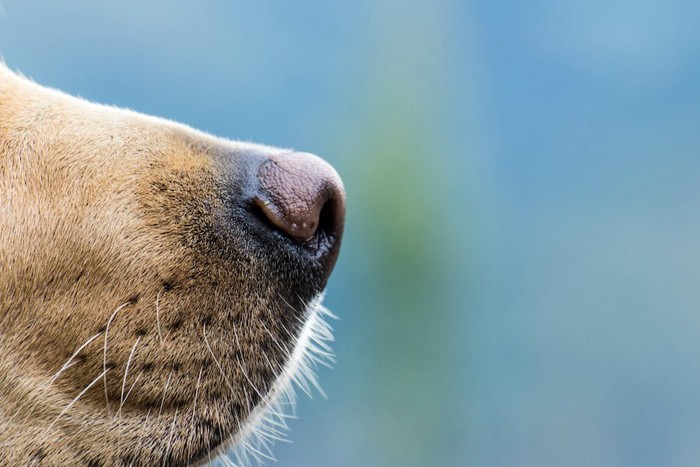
pixel 141 321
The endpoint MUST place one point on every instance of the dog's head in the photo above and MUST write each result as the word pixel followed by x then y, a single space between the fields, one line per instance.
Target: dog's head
pixel 159 287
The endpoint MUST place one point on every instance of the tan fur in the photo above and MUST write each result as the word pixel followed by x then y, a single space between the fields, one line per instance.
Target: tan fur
pixel 106 221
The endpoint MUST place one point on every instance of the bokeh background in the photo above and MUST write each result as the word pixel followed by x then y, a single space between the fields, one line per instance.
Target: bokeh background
pixel 519 283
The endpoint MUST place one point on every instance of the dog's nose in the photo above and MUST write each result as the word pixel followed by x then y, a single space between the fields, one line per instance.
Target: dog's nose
pixel 304 198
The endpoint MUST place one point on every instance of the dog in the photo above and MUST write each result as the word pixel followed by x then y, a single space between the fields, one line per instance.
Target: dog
pixel 160 288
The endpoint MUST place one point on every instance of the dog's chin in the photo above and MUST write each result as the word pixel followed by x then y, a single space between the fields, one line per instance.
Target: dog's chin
pixel 267 422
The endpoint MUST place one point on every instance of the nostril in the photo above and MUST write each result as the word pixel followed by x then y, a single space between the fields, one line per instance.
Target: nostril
pixel 303 197
pixel 299 220
pixel 326 218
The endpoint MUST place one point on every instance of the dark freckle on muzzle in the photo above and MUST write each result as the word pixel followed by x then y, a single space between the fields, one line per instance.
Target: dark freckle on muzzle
pixel 302 197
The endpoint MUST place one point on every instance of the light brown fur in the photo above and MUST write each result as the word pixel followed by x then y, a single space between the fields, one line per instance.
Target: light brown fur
pixel 108 236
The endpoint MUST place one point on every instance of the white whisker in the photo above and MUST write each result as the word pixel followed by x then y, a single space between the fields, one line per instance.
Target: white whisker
pixel 165 390
pixel 70 361
pixel 160 335
pixel 67 408
pixel 104 355
pixel 194 408
pixel 126 373
pixel 267 422
pixel 170 438
pixel 130 389
pixel 160 410
pixel 245 374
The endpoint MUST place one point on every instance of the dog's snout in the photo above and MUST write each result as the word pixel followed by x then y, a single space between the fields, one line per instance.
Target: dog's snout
pixel 302 196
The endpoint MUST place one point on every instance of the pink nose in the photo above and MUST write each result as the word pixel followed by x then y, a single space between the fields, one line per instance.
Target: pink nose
pixel 303 197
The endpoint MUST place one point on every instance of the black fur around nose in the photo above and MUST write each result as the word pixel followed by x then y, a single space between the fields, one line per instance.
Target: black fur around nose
pixel 303 197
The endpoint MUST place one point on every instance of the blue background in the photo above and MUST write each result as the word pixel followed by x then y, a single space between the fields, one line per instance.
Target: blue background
pixel 519 280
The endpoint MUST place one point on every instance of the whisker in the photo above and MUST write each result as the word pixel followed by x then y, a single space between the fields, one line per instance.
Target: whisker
pixel 162 402
pixel 245 374
pixel 266 426
pixel 104 357
pixel 67 408
pixel 160 335
pixel 130 389
pixel 143 427
pixel 194 408
pixel 126 373
pixel 170 439
pixel 165 389
pixel 216 360
pixel 70 361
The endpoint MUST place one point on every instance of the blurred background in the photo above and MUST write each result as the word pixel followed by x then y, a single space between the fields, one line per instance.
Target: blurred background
pixel 519 283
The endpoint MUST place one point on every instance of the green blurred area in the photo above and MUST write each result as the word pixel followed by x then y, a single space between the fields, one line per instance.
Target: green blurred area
pixel 404 205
